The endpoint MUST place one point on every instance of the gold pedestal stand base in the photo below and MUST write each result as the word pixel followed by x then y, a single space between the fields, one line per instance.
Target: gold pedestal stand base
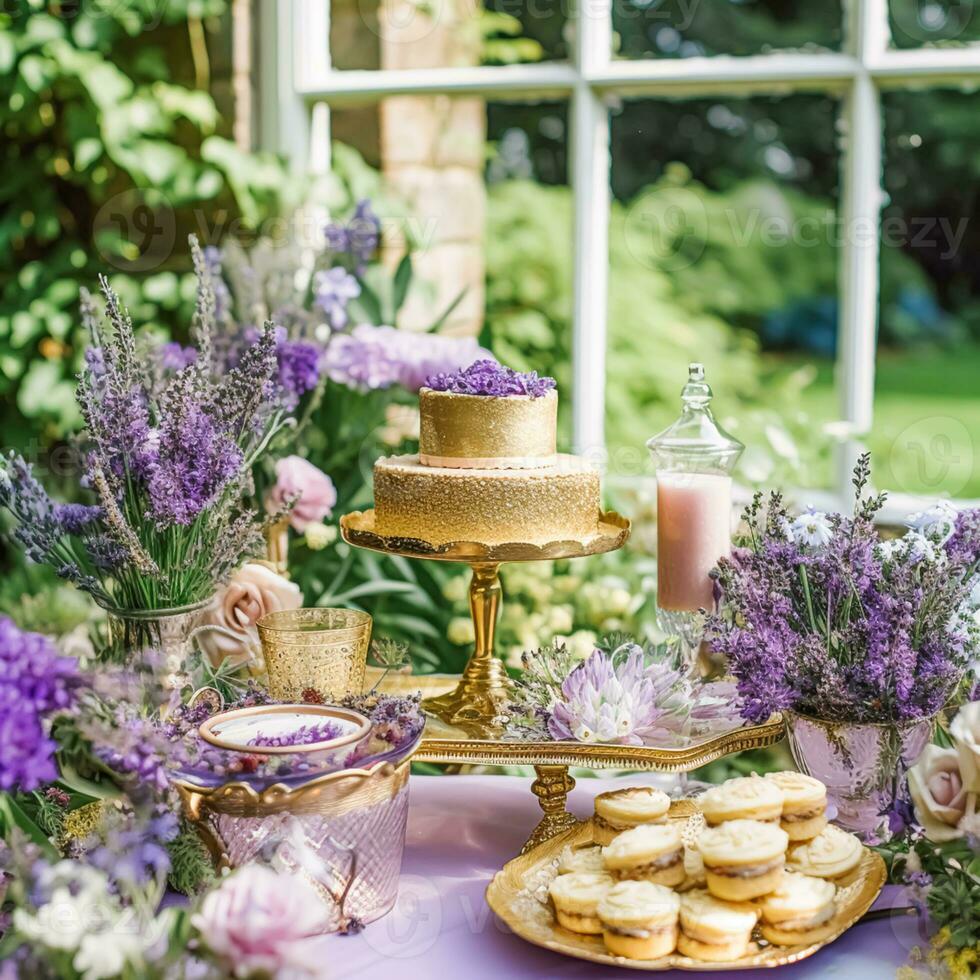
pixel 484 688
pixel 551 788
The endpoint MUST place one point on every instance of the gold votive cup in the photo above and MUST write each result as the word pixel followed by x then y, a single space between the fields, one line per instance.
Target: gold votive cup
pixel 322 649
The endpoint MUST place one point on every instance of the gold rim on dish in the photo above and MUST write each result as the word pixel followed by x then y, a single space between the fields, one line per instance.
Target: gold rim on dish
pixel 518 894
pixel 358 528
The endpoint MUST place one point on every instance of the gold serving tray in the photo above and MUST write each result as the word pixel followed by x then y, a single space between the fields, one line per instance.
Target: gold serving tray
pixel 518 894
pixel 357 528
pixel 444 743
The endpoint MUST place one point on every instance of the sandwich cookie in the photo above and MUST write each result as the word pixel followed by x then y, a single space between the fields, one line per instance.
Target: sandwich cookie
pixel 713 930
pixel 743 859
pixel 799 912
pixel 579 859
pixel 576 897
pixel 623 809
pixel 639 920
pixel 833 854
pixel 742 798
pixel 804 804
pixel 652 852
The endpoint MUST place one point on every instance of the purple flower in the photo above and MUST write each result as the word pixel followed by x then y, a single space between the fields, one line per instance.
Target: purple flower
pixel 333 289
pixel 76 518
pixel 132 851
pixel 304 735
pixel 222 295
pixel 357 239
pixel 195 462
pixel 36 683
pixel 298 370
pixel 842 626
pixel 176 357
pixel 626 703
pixel 487 377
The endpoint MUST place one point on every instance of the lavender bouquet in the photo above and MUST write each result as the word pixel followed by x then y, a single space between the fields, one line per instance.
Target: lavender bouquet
pixel 623 693
pixel 170 439
pixel 821 616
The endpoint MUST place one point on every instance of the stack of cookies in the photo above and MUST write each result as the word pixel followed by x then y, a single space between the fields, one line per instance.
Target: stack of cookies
pixel 767 858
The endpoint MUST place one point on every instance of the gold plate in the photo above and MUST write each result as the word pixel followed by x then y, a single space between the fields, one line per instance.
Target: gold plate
pixel 518 894
pixel 357 528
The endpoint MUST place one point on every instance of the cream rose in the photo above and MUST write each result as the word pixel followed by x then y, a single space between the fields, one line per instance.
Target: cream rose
pixel 254 591
pixel 938 793
pixel 965 730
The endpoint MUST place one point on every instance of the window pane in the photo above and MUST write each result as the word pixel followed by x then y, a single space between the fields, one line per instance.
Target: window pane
pixel 918 22
pixel 689 28
pixel 723 250
pixel 927 415
pixel 483 189
pixel 398 34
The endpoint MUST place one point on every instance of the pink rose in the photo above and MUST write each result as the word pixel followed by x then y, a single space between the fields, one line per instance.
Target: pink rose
pixel 253 591
pixel 314 490
pixel 256 921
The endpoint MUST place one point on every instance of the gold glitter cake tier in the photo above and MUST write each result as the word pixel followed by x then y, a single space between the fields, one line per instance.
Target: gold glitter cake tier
pixel 487 432
pixel 443 504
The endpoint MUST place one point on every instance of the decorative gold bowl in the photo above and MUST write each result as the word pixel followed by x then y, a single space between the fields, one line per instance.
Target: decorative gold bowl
pixel 518 894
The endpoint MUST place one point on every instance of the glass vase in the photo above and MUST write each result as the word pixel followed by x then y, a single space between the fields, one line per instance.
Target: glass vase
pixel 344 832
pixel 863 766
pixel 168 631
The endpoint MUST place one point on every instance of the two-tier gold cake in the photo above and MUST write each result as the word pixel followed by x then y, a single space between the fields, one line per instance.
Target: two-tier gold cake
pixel 487 469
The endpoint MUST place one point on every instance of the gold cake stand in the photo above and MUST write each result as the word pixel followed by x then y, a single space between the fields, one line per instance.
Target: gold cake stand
pixel 463 711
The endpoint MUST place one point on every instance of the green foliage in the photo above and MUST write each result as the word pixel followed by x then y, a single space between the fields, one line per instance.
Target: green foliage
pixel 675 289
pixel 191 871
pixel 109 157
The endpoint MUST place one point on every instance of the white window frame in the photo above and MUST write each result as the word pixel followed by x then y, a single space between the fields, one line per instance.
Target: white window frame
pixel 299 85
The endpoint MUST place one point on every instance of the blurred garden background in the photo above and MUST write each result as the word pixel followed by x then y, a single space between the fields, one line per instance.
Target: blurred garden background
pixel 127 126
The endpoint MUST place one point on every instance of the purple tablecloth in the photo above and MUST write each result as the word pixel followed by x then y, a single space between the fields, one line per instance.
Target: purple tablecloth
pixel 461 830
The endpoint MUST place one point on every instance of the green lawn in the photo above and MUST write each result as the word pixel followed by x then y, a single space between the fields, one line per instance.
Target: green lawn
pixel 926 433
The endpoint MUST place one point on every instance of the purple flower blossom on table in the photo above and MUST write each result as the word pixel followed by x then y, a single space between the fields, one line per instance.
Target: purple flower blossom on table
pixel 487 377
pixel 853 629
pixel 36 684
pixel 370 358
pixel 333 289
pixel 623 703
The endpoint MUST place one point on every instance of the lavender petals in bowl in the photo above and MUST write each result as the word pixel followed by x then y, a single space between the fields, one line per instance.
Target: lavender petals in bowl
pixel 281 729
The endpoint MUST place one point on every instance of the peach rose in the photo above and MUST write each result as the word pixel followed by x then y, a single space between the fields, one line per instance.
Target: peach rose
pixel 314 492
pixel 938 793
pixel 254 591
pixel 965 730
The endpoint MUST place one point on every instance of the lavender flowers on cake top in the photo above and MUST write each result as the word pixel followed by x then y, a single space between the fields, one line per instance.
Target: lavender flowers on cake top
pixel 487 377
